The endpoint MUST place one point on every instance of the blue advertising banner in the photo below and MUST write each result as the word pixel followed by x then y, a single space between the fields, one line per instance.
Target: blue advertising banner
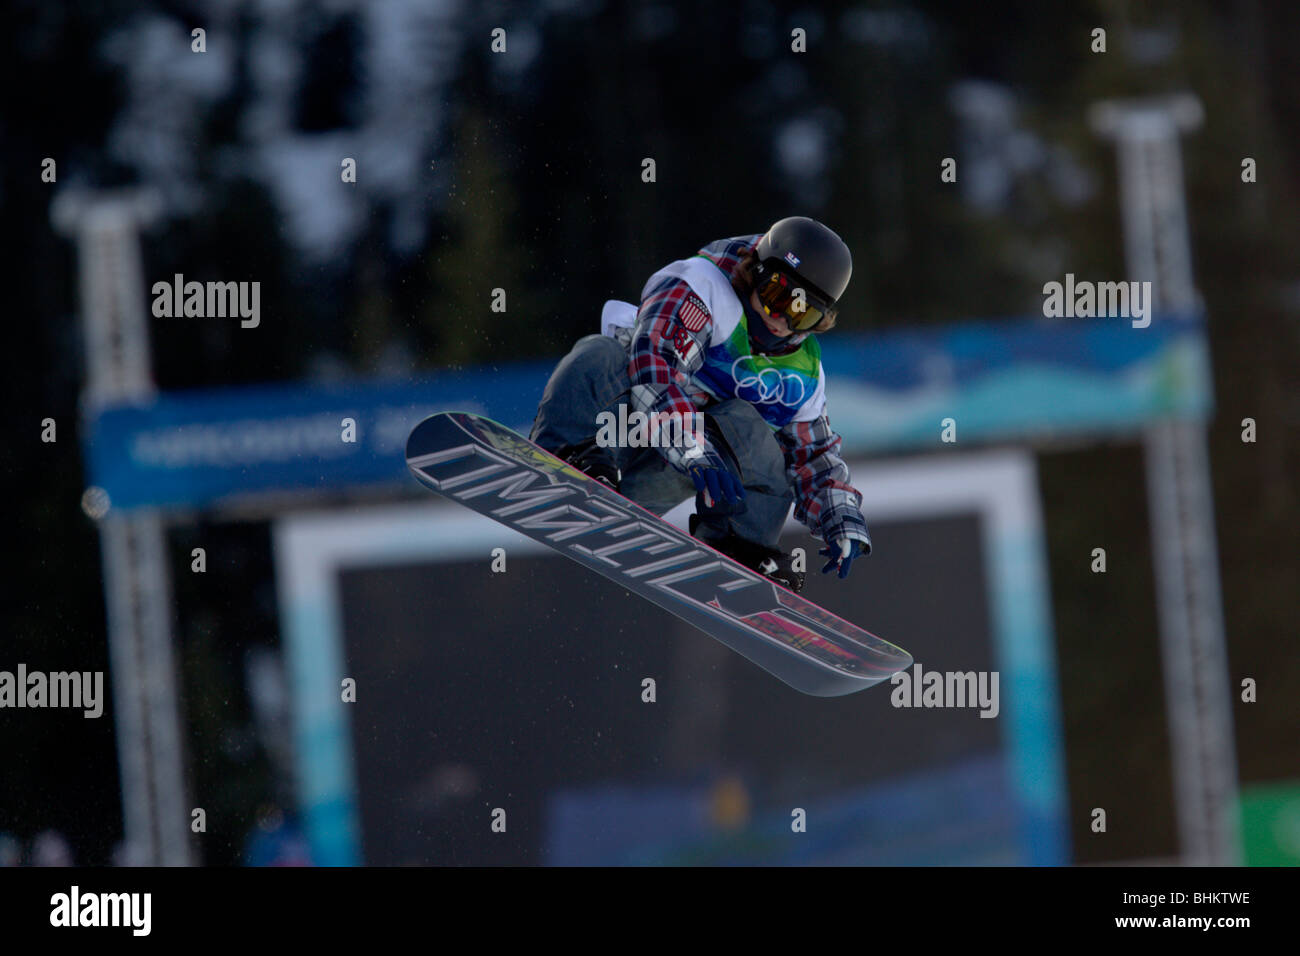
pixel 206 447
pixel 1013 380
pixel 1016 380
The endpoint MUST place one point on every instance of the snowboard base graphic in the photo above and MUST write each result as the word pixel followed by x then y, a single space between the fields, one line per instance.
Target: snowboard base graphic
pixel 500 474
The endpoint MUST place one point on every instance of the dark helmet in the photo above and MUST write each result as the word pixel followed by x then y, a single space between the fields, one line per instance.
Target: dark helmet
pixel 812 251
pixel 799 252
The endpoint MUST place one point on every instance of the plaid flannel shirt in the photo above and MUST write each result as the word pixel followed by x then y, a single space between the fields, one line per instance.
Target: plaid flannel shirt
pixel 665 353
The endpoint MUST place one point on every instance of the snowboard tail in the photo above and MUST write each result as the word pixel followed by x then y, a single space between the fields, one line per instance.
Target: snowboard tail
pixel 500 474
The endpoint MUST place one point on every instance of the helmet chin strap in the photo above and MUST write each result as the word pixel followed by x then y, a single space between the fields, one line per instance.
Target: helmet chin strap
pixel 762 338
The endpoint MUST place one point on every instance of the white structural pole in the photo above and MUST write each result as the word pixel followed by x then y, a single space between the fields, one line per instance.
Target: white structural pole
pixel 1179 488
pixel 137 586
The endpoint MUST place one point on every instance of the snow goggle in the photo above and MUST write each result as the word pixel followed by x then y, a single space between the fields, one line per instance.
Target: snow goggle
pixel 787 296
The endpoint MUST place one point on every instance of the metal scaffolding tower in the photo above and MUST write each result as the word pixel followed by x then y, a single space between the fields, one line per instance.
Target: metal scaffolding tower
pixel 133 546
pixel 1179 489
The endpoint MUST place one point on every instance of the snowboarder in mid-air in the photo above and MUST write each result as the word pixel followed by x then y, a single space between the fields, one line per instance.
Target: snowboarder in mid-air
pixel 723 341
pixel 729 334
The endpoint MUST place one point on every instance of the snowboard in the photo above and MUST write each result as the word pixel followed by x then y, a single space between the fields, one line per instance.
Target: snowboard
pixel 500 474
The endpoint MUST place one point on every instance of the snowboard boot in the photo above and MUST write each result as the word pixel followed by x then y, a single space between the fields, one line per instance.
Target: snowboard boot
pixel 592 460
pixel 766 561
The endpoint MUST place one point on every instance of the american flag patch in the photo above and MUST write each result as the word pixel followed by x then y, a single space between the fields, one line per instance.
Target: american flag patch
pixel 693 314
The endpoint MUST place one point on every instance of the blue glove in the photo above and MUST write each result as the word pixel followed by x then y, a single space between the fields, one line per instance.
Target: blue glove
pixel 841 555
pixel 718 485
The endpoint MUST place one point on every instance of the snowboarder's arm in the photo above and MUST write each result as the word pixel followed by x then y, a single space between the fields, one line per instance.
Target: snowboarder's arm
pixel 823 498
pixel 672 331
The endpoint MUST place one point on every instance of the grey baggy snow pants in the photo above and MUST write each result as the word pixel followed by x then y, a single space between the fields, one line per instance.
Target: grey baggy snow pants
pixel 593 378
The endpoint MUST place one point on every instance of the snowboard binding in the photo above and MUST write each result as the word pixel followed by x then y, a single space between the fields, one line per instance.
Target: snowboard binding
pixel 592 460
pixel 768 562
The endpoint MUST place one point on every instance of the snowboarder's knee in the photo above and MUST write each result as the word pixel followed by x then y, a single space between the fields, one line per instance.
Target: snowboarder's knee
pixel 592 358
pixel 600 348
pixel 751 441
pixel 738 415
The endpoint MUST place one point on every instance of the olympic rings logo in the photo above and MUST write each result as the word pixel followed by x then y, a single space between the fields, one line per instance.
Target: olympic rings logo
pixel 767 386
